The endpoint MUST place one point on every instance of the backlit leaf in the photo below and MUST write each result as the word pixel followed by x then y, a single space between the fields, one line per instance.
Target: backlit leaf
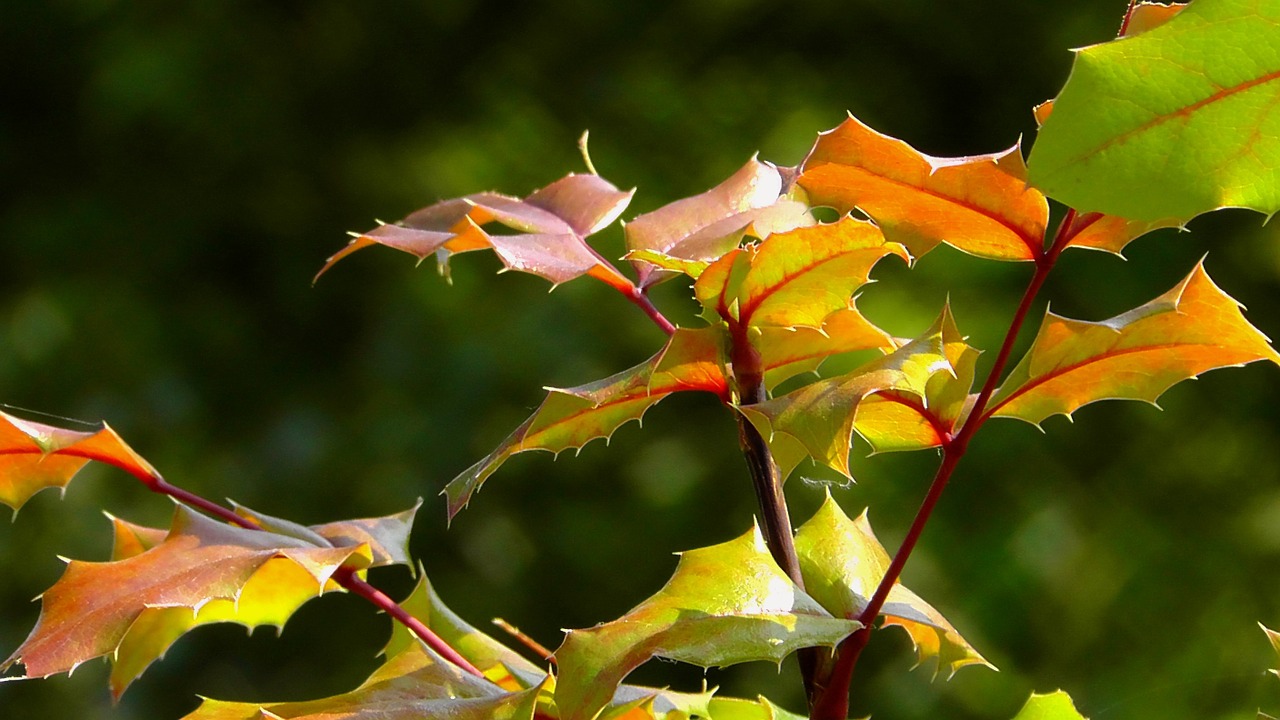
pixel 739 709
pixel 725 604
pixel 1274 638
pixel 892 421
pixel 552 225
pixel 1056 705
pixel 1193 328
pixel 706 226
pixel 819 417
pixel 570 418
pixel 787 352
pixel 92 609
pixel 1173 122
pixel 978 204
pixel 413 685
pixel 35 456
pixel 842 563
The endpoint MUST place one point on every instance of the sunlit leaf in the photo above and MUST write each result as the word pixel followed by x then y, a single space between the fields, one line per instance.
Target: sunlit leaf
pixel 892 421
pixel 570 418
pixel 413 685
pixel 843 563
pixel 35 456
pixel 787 352
pixel 725 604
pixel 1193 328
pixel 1173 122
pixel 1056 705
pixel 819 417
pixel 706 226
pixel 739 709
pixel 1274 638
pixel 201 566
pixel 979 204
pixel 552 225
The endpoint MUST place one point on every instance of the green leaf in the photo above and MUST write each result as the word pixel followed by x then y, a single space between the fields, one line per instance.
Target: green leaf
pixel 843 563
pixel 1193 328
pixel 1056 705
pixel 725 604
pixel 572 417
pixel 552 225
pixel 413 685
pixel 739 709
pixel 1176 121
pixel 817 420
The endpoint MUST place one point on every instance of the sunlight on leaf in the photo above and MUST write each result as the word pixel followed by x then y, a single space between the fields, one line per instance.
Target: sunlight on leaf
pixel 725 604
pixel 1193 328
pixel 1056 705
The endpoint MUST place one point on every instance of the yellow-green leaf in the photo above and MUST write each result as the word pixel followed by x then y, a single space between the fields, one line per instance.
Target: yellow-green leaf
pixel 1193 328
pixel 1056 705
pixel 725 604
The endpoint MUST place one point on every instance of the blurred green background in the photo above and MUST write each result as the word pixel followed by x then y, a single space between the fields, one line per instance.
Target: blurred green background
pixel 174 173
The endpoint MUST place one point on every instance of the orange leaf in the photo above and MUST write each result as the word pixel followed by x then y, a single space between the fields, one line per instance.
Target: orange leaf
pixel 978 204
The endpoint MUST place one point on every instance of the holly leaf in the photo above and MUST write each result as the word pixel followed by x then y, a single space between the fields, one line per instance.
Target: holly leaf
pixel 842 563
pixel 787 352
pixel 706 226
pixel 94 607
pixel 1274 638
pixel 1056 705
pixel 817 420
pixel 572 417
pixel 725 604
pixel 551 225
pixel 1193 328
pixel 1138 129
pixel 415 684
pixel 893 421
pixel 980 205
pixel 35 456
pixel 739 709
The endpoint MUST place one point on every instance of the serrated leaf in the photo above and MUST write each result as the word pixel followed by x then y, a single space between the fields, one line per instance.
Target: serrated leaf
pixel 572 417
pixel 387 537
pixel 740 709
pixel 1274 638
pixel 92 609
pixel 552 225
pixel 787 352
pixel 413 685
pixel 1138 130
pixel 706 226
pixel 1056 705
pixel 980 205
pixel 819 417
pixel 35 456
pixel 798 278
pixel 632 702
pixel 842 563
pixel 1193 328
pixel 894 421
pixel 1111 233
pixel 725 604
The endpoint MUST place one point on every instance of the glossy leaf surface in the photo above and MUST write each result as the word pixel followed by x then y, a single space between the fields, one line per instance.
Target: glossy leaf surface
pixel 551 226
pixel 1056 705
pixel 1172 122
pixel 570 418
pixel 978 204
pixel 725 604
pixel 1193 328
pixel 35 456
pixel 843 563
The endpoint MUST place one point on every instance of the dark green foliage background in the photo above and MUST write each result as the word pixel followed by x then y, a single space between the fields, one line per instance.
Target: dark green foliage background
pixel 173 175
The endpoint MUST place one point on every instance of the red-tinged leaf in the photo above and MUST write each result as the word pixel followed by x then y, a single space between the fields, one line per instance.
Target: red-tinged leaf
pixel 413 685
pixel 1149 15
pixel 817 420
pixel 717 287
pixel 892 421
pixel 552 225
pixel 386 538
pixel 706 226
pixel 570 418
pixel 724 605
pixel 798 278
pixel 35 456
pixel 786 352
pixel 979 204
pixel 1056 705
pixel 91 609
pixel 842 563
pixel 1193 328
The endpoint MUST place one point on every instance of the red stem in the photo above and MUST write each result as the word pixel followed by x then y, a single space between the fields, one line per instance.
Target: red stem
pixel 833 703
pixel 345 576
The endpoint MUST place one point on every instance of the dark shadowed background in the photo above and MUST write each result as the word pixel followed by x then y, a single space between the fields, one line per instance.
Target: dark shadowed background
pixel 174 174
